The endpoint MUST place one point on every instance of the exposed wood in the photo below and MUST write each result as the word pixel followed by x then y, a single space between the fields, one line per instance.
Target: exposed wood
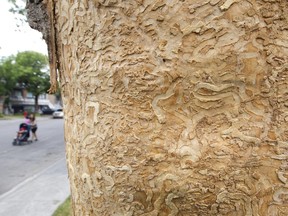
pixel 175 107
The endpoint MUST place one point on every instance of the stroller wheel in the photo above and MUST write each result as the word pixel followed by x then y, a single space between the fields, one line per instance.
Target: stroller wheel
pixel 15 142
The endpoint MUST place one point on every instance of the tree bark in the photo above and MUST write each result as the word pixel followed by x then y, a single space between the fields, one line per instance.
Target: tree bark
pixel 174 107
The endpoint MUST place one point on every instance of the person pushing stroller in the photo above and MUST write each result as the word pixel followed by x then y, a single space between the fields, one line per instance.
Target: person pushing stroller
pixel 33 127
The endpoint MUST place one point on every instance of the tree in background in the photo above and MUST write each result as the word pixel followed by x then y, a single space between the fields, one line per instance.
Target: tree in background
pixel 8 75
pixel 33 73
pixel 28 70
pixel 8 79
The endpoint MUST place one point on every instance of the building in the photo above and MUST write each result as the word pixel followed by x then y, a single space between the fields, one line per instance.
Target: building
pixel 21 100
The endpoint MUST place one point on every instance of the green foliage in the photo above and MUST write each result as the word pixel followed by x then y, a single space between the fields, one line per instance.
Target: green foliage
pixel 8 75
pixel 17 7
pixel 19 11
pixel 32 70
pixel 27 70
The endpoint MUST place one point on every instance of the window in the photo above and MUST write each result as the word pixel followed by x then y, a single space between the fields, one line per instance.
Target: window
pixel 29 95
pixel 17 94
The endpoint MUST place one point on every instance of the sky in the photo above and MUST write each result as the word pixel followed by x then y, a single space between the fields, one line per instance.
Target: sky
pixel 15 39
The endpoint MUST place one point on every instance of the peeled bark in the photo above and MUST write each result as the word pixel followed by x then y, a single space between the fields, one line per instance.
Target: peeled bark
pixel 175 107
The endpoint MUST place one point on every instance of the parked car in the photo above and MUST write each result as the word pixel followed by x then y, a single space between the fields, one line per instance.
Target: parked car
pixel 47 110
pixel 58 113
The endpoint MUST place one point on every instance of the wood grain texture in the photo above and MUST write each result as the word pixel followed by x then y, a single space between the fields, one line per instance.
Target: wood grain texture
pixel 175 107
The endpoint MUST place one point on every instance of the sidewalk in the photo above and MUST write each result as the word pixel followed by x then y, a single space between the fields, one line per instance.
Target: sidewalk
pixel 39 195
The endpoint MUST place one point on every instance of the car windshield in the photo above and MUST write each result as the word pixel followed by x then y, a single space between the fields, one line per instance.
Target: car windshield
pixel 59 110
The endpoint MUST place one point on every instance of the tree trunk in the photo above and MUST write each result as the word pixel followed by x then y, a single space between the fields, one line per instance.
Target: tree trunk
pixel 36 104
pixel 174 107
pixel 2 102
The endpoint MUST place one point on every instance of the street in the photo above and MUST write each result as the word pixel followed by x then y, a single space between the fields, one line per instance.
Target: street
pixel 18 163
pixel 33 177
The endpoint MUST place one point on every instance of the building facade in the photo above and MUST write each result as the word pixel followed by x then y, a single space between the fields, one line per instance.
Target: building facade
pixel 22 100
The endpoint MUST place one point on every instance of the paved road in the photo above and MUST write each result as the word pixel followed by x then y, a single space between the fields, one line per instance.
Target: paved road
pixel 18 163
pixel 33 177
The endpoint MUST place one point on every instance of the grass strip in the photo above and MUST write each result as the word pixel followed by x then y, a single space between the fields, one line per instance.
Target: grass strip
pixel 64 209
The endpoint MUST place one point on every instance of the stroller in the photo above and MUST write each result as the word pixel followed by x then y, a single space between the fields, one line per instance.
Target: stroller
pixel 22 135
